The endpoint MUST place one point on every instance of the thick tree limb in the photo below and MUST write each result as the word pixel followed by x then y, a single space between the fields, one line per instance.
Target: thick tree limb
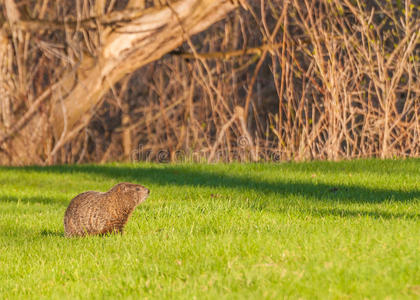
pixel 135 44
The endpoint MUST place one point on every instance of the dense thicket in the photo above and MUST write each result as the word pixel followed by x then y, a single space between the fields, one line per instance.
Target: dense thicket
pixel 279 80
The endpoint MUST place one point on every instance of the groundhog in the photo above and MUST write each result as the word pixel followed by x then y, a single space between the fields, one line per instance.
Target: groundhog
pixel 93 213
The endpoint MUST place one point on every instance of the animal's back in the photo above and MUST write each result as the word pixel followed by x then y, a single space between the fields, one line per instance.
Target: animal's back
pixel 86 214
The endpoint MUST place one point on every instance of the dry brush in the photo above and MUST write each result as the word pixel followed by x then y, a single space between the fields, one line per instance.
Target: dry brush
pixel 273 80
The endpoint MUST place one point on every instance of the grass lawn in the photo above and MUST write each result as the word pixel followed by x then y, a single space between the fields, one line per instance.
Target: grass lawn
pixel 240 231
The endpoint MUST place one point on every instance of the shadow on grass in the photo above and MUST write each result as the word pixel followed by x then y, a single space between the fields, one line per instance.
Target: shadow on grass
pixel 184 175
pixel 51 233
pixel 378 167
pixel 345 213
pixel 41 200
pixel 190 176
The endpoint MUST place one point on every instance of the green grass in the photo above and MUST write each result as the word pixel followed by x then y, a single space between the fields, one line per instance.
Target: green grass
pixel 242 231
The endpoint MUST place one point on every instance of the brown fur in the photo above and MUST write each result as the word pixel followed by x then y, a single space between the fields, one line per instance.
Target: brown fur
pixel 93 213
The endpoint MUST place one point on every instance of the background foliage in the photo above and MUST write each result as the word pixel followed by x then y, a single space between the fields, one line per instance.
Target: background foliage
pixel 283 80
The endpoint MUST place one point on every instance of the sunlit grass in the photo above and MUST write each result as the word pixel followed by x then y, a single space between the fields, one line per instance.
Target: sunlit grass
pixel 309 230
